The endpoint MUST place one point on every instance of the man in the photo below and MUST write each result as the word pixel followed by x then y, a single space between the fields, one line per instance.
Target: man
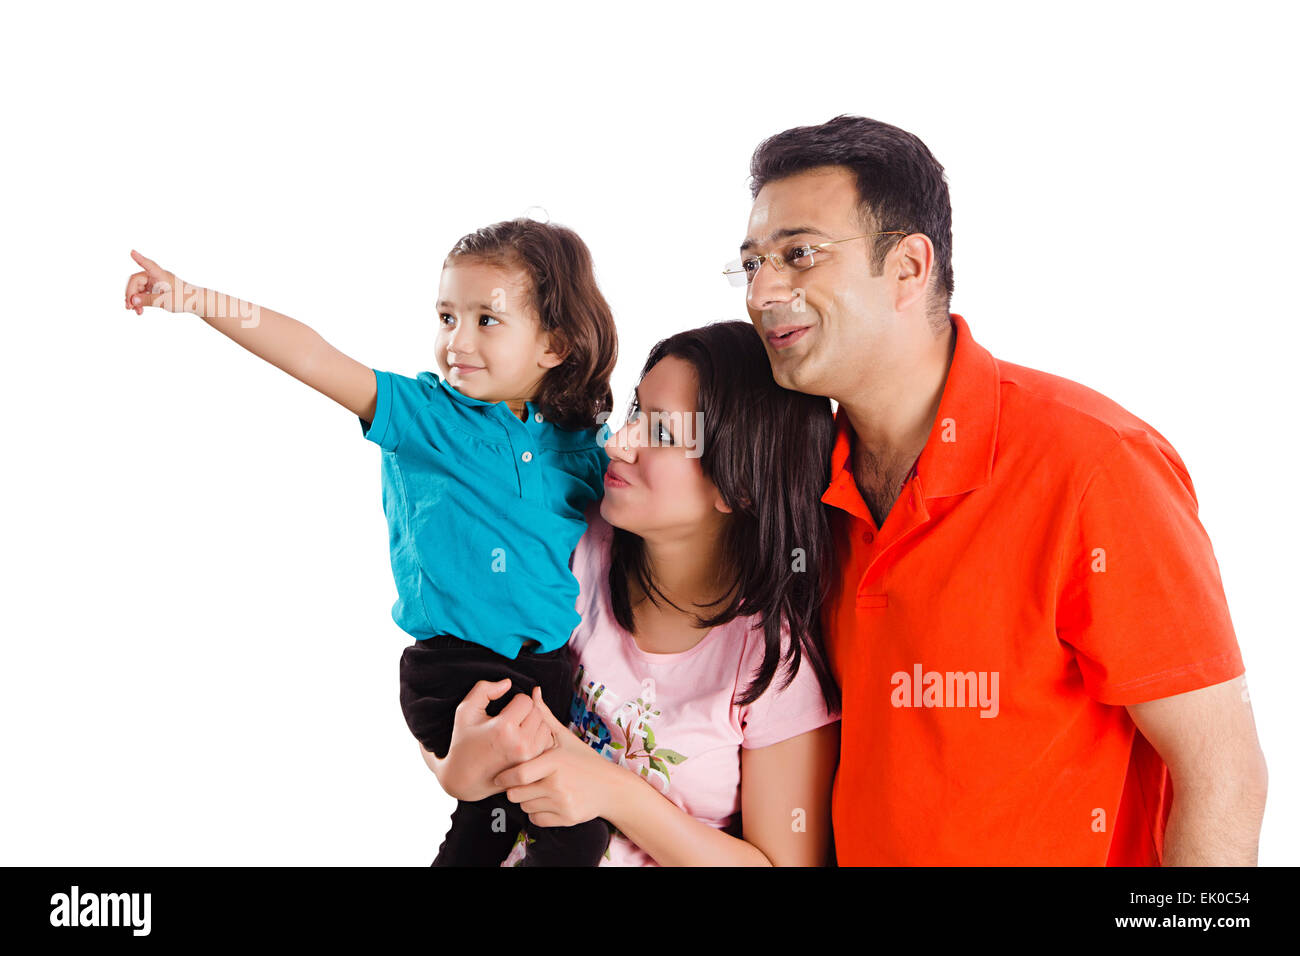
pixel 1027 621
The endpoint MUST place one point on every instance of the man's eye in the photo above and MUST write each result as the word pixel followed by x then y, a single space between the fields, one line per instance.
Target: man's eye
pixel 800 256
pixel 749 265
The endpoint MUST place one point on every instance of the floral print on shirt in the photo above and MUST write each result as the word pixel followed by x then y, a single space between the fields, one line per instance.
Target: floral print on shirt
pixel 634 746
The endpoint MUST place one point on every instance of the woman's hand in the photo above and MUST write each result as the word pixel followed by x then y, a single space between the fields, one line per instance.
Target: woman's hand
pixel 483 746
pixel 154 287
pixel 568 784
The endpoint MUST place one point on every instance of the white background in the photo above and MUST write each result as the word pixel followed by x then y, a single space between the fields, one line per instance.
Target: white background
pixel 198 662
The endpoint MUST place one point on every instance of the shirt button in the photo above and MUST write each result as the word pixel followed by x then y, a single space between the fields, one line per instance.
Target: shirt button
pixel 868 537
pixel 537 417
pixel 527 456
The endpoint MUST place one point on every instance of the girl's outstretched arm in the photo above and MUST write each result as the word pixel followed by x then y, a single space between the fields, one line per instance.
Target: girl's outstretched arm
pixel 284 342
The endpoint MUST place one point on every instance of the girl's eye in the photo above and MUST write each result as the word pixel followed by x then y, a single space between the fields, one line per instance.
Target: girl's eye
pixel 489 318
pixel 443 317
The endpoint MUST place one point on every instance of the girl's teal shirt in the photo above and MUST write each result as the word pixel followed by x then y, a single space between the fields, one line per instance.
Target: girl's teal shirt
pixel 484 511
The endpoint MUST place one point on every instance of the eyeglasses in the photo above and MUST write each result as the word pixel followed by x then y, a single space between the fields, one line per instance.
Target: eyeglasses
pixel 741 272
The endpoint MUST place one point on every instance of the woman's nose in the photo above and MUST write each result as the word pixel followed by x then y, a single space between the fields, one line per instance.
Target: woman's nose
pixel 623 443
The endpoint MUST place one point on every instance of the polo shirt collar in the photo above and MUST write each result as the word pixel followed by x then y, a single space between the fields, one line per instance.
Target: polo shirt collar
pixel 958 455
pixel 471 402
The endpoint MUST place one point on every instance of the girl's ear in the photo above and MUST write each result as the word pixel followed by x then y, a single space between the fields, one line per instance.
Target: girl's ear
pixel 555 351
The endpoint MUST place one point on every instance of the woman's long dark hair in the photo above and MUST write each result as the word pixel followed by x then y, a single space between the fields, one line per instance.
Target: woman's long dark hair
pixel 767 450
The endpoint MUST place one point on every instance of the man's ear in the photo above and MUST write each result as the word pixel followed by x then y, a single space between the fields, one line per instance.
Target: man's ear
pixel 915 267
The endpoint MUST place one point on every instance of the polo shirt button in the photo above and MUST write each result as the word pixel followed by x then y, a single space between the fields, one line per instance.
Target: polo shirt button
pixel 527 456
pixel 868 537
pixel 537 417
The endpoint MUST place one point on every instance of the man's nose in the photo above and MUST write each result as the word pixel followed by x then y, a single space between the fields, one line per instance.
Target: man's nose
pixel 769 287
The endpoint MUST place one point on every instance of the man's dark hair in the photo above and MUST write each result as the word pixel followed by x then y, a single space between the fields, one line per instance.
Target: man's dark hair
pixel 768 452
pixel 901 186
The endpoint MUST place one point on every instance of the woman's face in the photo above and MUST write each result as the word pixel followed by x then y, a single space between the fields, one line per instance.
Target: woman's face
pixel 654 486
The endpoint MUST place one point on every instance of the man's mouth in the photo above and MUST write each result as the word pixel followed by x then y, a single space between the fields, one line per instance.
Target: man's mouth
pixel 784 336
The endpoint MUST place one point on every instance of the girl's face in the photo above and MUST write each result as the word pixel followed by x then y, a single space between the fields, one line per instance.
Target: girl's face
pixel 654 486
pixel 490 345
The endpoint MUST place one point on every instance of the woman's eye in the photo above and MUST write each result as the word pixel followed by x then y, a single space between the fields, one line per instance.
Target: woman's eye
pixel 443 317
pixel 664 436
pixel 489 318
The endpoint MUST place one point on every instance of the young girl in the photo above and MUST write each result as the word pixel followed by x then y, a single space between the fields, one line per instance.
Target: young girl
pixel 488 469
pixel 702 667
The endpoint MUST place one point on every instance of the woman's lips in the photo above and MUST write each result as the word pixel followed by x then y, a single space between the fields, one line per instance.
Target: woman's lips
pixel 612 480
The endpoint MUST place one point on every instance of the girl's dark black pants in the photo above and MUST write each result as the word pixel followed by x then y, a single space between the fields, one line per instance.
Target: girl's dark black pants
pixel 436 674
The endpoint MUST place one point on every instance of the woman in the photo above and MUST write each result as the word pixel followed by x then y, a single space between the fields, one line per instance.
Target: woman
pixel 709 549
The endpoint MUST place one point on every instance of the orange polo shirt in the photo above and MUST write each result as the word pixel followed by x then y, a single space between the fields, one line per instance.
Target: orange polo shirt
pixel 1042 567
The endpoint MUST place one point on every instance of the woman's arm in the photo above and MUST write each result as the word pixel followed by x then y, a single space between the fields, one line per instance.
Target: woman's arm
pixel 785 802
pixel 785 792
pixel 670 835
pixel 284 342
pixel 785 796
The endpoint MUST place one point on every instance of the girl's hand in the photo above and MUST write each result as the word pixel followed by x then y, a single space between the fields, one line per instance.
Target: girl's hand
pixel 483 746
pixel 154 287
pixel 568 784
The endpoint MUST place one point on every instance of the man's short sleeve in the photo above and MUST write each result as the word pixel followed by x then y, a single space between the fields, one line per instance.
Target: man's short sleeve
pixel 1141 601
pixel 780 714
pixel 398 399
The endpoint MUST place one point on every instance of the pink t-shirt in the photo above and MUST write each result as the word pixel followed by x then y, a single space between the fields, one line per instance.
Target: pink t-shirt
pixel 670 717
